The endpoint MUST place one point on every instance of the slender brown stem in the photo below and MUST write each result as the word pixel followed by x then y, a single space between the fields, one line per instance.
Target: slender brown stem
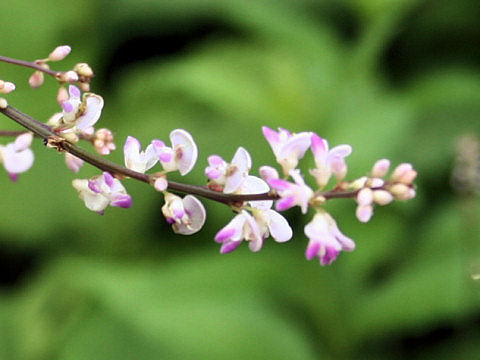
pixel 51 138
pixel 11 133
pixel 30 64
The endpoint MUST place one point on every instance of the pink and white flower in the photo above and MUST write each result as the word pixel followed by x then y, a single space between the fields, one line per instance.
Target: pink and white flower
pixel 183 154
pixel 257 226
pixel 230 176
pixel 326 240
pixel 288 148
pixel 81 113
pixel 135 158
pixel 186 215
pixel 328 162
pixel 92 106
pixel 17 157
pixel 101 191
pixel 72 105
pixel 253 228
pixel 292 194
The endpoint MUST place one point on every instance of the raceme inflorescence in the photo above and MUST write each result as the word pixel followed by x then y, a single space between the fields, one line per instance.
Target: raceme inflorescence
pixel 256 201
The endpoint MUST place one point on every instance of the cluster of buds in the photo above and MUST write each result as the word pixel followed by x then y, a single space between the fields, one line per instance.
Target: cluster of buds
pixel 58 54
pixel 377 190
pixel 81 74
pixel 256 201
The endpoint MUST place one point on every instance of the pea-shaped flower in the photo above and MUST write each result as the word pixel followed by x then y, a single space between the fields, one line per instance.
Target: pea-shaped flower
pixel 101 191
pixel 17 157
pixel 181 156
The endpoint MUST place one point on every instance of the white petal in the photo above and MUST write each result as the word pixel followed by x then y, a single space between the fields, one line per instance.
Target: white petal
pixel 242 159
pixel 117 187
pixel 236 224
pixel 150 157
pixel 340 151
pixel 296 146
pixel 255 185
pixel 131 151
pixel 317 228
pixel 240 166
pixel 252 232
pixel 93 201
pixel 23 141
pixel 196 213
pixel 74 163
pixel 17 162
pixel 93 110
pixel 278 226
pixel 189 152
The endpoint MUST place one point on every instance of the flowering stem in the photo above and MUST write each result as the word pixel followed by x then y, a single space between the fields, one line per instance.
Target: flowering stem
pixel 53 140
pixel 30 64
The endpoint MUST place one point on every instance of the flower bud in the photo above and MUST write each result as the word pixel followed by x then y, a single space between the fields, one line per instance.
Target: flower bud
pixel 408 177
pixel 365 197
pixel 402 192
pixel 358 183
pixel 381 168
pixel 376 182
pixel 382 197
pixel 6 87
pixel 62 95
pixel 3 103
pixel 36 80
pixel 83 69
pixel 73 163
pixel 161 183
pixel 69 77
pixel 400 170
pixel 103 141
pixel 85 87
pixel 59 53
pixel 364 213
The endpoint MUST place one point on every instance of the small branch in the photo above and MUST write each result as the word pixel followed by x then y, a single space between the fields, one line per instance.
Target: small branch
pixel 30 64
pixel 11 133
pixel 49 136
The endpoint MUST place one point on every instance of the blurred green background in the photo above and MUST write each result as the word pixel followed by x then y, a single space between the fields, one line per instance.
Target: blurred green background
pixel 393 78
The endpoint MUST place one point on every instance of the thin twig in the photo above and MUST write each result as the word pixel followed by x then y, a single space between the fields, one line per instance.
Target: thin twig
pixel 30 64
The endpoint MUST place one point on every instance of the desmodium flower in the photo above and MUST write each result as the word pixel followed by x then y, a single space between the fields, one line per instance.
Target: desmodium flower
pixel 325 239
pixel 186 215
pixel 327 161
pixel 183 154
pixel 230 176
pixel 101 191
pixel 138 160
pixel 288 148
pixel 17 157
pixel 292 194
pixel 257 226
